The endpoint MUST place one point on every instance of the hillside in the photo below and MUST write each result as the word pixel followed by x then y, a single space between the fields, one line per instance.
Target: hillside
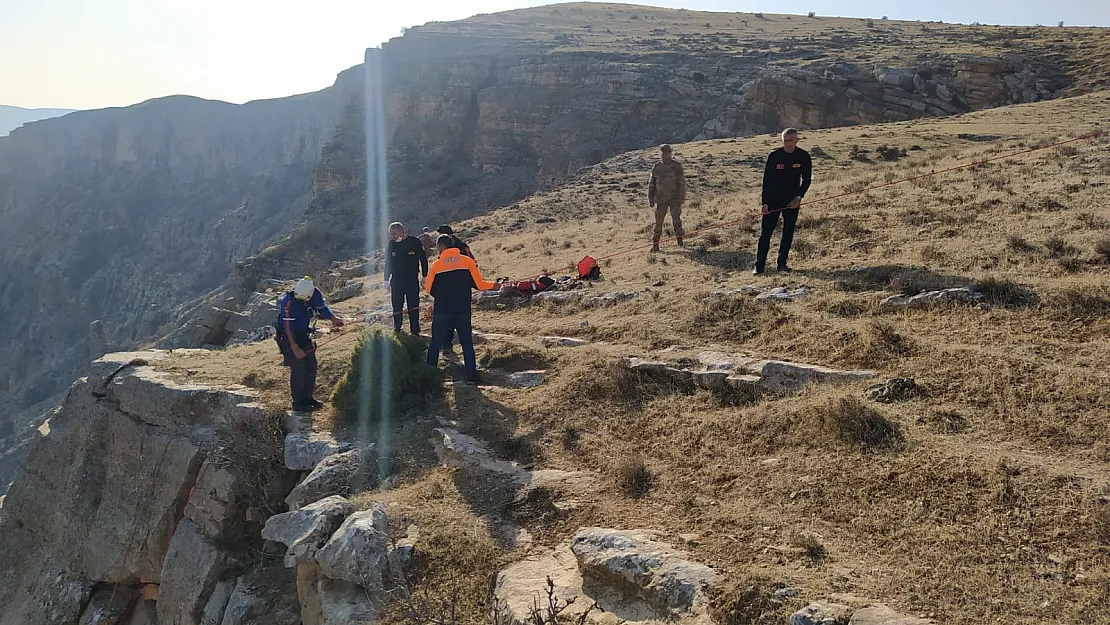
pixel 12 117
pixel 133 216
pixel 983 495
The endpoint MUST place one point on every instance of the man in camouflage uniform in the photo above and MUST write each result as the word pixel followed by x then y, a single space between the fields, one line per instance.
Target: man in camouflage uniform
pixel 667 192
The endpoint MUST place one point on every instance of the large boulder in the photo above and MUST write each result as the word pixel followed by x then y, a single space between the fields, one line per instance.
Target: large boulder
pixel 635 562
pixel 339 474
pixel 358 552
pixel 304 531
pixel 304 450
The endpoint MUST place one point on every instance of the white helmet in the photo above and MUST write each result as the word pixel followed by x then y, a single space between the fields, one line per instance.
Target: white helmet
pixel 304 288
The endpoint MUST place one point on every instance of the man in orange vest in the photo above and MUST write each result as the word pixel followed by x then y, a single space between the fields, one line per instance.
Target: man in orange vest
pixel 450 281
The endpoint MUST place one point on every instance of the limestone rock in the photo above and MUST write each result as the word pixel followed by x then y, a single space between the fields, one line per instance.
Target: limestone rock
pixel 932 299
pixel 629 559
pixel 98 343
pixel 243 604
pixel 350 290
pixel 327 601
pixel 491 337
pixel 304 531
pixel 879 614
pixel 213 503
pixel 458 450
pixel 303 451
pixel 821 613
pixel 609 299
pixel 786 377
pixel 45 594
pixel 111 526
pixel 339 474
pixel 561 297
pixel 189 574
pixel 525 379
pixel 217 602
pixel 562 341
pixel 358 551
pixel 105 609
pixel 894 389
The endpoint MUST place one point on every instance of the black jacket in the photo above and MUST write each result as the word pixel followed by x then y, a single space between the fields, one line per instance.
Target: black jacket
pixel 786 176
pixel 403 260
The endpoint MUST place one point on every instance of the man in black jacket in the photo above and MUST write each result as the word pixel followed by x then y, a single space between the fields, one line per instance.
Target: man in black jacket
pixel 405 263
pixel 786 178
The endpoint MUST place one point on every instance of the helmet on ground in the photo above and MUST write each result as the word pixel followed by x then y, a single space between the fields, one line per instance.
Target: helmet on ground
pixel 304 289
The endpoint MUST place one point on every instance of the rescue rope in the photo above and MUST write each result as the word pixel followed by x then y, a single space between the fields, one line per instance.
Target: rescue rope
pixel 760 215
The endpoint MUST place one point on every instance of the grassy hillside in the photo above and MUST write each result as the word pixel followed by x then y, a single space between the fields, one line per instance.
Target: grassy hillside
pixel 992 501
pixel 787 39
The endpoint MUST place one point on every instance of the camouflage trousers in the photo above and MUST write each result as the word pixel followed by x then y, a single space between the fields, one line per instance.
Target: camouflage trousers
pixel 661 209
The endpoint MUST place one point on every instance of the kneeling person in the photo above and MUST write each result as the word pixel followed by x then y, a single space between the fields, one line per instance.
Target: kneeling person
pixel 452 277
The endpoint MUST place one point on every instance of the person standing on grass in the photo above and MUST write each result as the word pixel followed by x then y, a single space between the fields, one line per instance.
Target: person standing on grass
pixel 297 314
pixel 786 178
pixel 450 281
pixel 405 262
pixel 667 192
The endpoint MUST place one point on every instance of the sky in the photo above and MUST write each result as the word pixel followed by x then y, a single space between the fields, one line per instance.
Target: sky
pixel 99 53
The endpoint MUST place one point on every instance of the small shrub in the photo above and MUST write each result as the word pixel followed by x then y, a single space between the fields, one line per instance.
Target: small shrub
pixel 406 378
pixel 1017 243
pixel 1057 246
pixel 634 479
pixel 811 548
pixel 711 239
pixel 851 421
pixel 1080 302
pixel 812 14
pixel 885 340
pixel 1005 293
pixel 747 601
pixel 1070 264
pixel 1102 248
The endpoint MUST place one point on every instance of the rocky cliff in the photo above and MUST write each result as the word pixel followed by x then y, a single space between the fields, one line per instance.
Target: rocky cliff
pixel 158 491
pixel 131 216
pixel 119 214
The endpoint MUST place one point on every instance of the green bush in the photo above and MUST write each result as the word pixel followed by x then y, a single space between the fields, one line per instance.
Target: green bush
pixel 411 380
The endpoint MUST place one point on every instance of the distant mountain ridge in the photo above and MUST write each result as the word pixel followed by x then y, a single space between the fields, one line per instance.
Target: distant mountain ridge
pixel 12 117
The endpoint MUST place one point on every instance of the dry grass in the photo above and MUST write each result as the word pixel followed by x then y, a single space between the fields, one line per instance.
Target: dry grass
pixel 983 501
pixel 633 477
pixel 851 421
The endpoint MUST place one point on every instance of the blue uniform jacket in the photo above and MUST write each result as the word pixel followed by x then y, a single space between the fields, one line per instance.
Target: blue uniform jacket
pixel 295 316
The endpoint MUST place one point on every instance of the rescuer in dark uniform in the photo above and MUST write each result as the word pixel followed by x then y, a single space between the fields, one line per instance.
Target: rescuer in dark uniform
pixel 786 178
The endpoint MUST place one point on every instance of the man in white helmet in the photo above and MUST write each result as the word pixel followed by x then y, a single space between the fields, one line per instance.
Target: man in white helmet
pixel 297 314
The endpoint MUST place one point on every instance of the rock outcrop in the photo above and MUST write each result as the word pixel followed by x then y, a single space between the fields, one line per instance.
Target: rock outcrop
pixel 150 494
pixel 719 371
pixel 628 575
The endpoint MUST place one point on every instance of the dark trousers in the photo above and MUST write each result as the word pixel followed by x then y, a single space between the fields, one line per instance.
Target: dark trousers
pixel 302 379
pixel 443 326
pixel 770 222
pixel 406 290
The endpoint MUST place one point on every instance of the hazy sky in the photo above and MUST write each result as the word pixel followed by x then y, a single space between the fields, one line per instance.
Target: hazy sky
pixel 97 53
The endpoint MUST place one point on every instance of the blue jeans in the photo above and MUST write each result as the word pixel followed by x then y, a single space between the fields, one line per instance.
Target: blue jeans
pixel 443 326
